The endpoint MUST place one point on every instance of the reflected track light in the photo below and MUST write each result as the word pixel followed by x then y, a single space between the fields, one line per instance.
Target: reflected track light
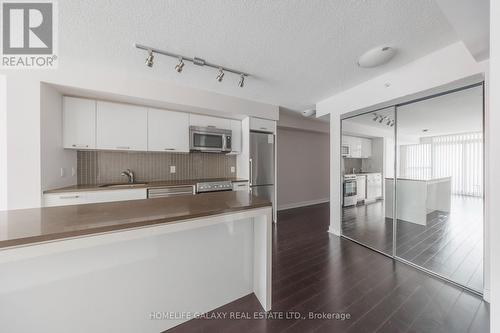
pixel 179 66
pixel 241 83
pixel 220 75
pixel 150 59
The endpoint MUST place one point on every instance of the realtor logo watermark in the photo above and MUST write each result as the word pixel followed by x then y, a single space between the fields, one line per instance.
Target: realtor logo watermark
pixel 29 34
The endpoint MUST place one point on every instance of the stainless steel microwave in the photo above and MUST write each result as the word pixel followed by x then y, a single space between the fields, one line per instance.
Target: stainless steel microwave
pixel 209 139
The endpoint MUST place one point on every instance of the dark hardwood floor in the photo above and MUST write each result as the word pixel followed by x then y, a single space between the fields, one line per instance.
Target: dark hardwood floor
pixel 451 244
pixel 316 272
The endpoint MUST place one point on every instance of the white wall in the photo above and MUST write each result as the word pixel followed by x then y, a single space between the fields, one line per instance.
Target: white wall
pixel 493 136
pixel 303 167
pixel 23 113
pixel 376 161
pixel 3 143
pixel 296 120
pixel 53 157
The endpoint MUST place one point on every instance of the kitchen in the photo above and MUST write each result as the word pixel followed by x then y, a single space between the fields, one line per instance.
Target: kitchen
pixel 119 176
pixel 362 160
pixel 181 160
pixel 131 152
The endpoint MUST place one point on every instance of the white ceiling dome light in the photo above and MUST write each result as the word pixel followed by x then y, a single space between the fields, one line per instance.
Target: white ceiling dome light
pixel 376 56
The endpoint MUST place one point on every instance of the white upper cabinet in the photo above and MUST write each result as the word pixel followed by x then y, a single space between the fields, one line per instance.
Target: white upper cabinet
pixel 235 136
pixel 121 126
pixel 358 147
pixel 207 121
pixel 79 123
pixel 263 125
pixel 168 131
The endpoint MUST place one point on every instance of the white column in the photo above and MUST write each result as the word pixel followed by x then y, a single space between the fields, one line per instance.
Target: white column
pixel 335 173
pixel 494 165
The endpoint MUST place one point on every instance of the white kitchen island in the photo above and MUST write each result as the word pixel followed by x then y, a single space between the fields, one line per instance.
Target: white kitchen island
pixel 132 266
pixel 416 198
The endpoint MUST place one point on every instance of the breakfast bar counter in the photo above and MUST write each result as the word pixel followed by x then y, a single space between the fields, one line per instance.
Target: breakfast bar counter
pixel 132 266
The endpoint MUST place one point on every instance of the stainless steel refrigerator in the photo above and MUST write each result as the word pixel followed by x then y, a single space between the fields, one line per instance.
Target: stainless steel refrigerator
pixel 262 165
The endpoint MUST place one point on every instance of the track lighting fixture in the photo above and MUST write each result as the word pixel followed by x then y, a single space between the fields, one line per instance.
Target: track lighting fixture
pixel 220 75
pixel 179 66
pixel 150 58
pixel 195 60
pixel 382 119
pixel 389 122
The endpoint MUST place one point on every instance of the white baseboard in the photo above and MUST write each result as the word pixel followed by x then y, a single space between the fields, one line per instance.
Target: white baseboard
pixel 303 204
pixel 486 295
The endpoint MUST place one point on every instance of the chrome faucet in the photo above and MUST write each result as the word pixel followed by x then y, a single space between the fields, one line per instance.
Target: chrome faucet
pixel 130 175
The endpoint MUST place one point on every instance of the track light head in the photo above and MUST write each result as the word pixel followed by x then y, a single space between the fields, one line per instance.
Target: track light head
pixel 179 66
pixel 220 75
pixel 376 117
pixel 389 122
pixel 150 59
pixel 382 119
pixel 241 83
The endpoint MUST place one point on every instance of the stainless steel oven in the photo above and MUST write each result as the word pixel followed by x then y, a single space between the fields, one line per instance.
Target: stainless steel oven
pixel 209 139
pixel 350 190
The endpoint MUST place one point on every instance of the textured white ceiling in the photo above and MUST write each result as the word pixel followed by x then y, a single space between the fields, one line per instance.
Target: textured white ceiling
pixel 299 51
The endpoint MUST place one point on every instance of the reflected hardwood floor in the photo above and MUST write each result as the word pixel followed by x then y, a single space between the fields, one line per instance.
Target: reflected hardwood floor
pixel 314 271
pixel 451 244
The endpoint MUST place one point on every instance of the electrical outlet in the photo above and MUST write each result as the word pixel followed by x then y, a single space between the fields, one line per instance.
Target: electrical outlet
pixel 172 169
pixel 63 172
pixel 233 169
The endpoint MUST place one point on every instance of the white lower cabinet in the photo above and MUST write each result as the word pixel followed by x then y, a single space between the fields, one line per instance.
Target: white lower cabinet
pixel 361 188
pixel 86 197
pixel 373 186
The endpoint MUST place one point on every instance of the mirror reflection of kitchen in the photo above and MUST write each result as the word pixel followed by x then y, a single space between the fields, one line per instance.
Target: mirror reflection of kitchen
pixel 367 159
pixel 439 204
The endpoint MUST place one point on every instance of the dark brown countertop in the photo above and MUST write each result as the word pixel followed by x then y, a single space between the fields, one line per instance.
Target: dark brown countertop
pixel 152 184
pixel 29 226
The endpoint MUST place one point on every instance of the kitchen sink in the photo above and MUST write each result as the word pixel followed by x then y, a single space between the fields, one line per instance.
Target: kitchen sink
pixel 123 185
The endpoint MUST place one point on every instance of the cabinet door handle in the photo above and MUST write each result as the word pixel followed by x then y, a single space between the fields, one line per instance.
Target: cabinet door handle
pixel 123 147
pixel 169 149
pixel 70 197
pixel 263 128
pixel 80 146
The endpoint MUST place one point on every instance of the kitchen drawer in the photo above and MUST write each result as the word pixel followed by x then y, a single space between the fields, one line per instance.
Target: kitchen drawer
pixel 240 186
pixel 170 191
pixel 86 197
pixel 262 125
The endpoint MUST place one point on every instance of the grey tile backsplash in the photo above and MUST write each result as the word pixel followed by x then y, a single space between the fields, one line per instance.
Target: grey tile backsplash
pixel 96 167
